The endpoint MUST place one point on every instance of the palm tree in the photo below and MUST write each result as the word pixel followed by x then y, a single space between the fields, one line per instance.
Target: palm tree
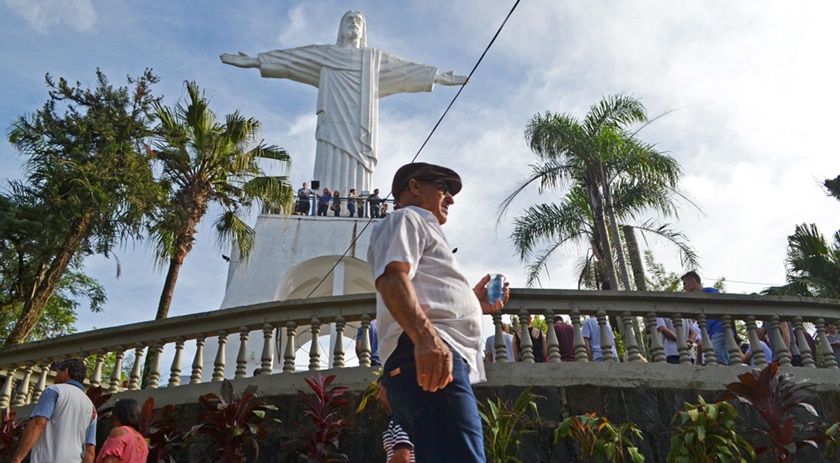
pixel 813 265
pixel 206 162
pixel 610 176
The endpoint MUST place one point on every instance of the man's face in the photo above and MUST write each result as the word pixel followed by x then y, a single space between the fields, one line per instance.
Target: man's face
pixel 62 376
pixel 690 285
pixel 304 185
pixel 434 198
pixel 352 28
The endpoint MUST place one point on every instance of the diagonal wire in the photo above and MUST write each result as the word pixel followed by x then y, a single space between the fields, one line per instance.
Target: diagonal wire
pixel 432 132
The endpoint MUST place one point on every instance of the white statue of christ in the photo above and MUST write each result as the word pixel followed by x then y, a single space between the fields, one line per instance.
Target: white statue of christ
pixel 350 78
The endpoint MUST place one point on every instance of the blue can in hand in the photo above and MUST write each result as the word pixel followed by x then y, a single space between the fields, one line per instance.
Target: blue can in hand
pixel 496 288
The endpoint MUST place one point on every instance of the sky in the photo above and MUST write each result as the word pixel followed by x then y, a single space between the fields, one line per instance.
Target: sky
pixel 749 88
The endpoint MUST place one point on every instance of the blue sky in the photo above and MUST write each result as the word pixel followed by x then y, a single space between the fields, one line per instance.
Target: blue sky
pixel 751 85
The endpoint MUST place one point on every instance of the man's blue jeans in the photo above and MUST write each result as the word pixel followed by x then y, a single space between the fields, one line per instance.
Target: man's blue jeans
pixel 719 344
pixel 444 426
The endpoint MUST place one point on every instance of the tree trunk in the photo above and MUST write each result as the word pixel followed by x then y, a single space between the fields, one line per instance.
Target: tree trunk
pixel 619 249
pixel 635 258
pixel 44 287
pixel 601 227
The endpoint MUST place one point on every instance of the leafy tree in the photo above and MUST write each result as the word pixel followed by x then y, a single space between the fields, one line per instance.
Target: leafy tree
pixel 813 263
pixel 206 162
pixel 87 184
pixel 610 176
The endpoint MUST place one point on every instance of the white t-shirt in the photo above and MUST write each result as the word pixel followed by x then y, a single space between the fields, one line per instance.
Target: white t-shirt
pixel 414 236
pixel 670 347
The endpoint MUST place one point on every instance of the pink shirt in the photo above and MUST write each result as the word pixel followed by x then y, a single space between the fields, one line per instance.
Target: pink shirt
pixel 130 447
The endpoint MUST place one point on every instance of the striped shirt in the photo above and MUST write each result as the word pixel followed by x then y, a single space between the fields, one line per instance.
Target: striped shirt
pixel 395 438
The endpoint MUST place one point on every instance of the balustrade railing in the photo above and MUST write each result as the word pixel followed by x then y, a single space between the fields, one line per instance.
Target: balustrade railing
pixel 636 313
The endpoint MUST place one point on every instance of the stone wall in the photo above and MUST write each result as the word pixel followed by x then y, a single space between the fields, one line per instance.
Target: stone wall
pixel 647 394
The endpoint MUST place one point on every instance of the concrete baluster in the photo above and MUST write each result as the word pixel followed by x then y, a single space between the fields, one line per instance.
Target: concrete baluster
pixel 708 348
pixel 580 346
pixel 364 346
pixel 8 387
pixel 96 377
pixel 315 346
pixel 606 343
pixel 682 345
pixel 137 369
pixel 731 346
pixel 755 344
pixel 23 386
pixel 526 347
pixel 825 346
pixel 116 373
pixel 657 353
pixel 782 354
pixel 289 355
pixel 631 347
pixel 157 351
pixel 242 355
pixel 42 382
pixel 499 344
pixel 198 360
pixel 175 369
pixel 338 350
pixel 219 361
pixel 553 343
pixel 267 357
pixel 804 347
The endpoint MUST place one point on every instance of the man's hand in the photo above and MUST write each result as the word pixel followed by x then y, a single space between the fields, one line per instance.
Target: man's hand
pixel 449 78
pixel 480 291
pixel 401 455
pixel 434 363
pixel 241 60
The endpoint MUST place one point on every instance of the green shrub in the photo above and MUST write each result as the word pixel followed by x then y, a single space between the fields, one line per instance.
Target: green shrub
pixel 505 424
pixel 706 434
pixel 599 440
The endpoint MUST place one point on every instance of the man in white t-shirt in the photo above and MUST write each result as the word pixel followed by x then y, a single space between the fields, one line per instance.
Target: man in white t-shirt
pixel 668 337
pixel 429 319
pixel 62 427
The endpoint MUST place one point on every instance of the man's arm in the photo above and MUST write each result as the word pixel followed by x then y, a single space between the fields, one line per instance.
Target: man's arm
pixel 433 357
pixel 588 350
pixel 669 335
pixel 401 455
pixel 90 454
pixel 31 433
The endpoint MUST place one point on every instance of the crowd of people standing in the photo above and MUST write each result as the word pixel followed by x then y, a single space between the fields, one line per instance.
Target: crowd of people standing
pixel 333 203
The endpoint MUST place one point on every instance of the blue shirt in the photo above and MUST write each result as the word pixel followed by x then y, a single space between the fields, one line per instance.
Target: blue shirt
pixel 713 325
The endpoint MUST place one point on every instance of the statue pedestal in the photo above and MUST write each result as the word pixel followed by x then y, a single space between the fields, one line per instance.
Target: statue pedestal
pixel 292 254
pixel 290 257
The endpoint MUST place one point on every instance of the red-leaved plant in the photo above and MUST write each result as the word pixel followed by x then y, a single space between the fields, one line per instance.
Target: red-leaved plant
pixel 160 428
pixel 10 434
pixel 322 421
pixel 99 397
pixel 231 423
pixel 773 396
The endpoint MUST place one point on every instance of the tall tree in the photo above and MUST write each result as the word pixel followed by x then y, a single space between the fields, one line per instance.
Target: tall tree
pixel 205 162
pixel 610 176
pixel 21 245
pixel 86 176
pixel 813 263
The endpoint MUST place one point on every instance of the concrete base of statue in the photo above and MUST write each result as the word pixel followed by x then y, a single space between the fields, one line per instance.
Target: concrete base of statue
pixel 290 258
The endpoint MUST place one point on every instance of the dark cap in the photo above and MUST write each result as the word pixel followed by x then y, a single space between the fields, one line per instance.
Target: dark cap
pixel 424 172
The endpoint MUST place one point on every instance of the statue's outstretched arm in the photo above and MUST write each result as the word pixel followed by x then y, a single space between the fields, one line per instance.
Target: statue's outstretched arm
pixel 449 78
pixel 242 60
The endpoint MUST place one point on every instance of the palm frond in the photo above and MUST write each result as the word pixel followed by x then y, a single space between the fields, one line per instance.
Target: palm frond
pixel 232 229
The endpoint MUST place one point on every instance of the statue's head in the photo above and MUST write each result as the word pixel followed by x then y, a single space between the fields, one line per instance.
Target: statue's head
pixel 352 30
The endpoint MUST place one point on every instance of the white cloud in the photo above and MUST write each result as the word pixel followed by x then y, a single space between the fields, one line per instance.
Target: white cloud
pixel 44 15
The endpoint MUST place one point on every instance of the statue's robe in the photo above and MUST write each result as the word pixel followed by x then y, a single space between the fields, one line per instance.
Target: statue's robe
pixel 350 82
